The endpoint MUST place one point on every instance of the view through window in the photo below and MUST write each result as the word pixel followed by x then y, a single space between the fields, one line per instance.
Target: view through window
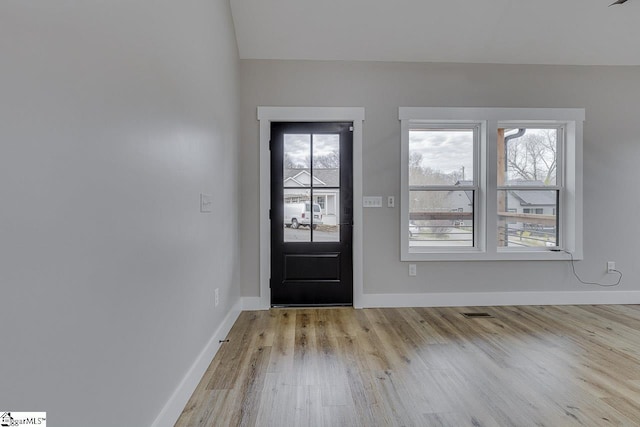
pixel 441 186
pixel 491 183
pixel 528 186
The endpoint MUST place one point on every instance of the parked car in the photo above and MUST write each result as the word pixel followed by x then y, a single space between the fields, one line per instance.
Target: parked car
pixel 297 214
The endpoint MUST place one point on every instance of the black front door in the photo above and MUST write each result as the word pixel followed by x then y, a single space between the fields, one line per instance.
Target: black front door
pixel 311 214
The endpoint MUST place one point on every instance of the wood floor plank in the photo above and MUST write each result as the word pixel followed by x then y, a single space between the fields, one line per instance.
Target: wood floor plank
pixel 278 402
pixel 283 342
pixel 305 361
pixel 309 410
pixel 374 356
pixel 250 388
pixel 526 366
pixel 236 351
pixel 364 394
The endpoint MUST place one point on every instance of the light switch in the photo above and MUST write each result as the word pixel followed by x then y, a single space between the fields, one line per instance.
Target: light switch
pixel 372 202
pixel 206 203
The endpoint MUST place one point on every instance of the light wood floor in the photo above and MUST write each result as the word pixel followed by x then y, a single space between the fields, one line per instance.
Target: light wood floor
pixel 527 366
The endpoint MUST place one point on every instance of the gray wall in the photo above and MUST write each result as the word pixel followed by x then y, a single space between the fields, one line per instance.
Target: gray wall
pixel 611 96
pixel 114 117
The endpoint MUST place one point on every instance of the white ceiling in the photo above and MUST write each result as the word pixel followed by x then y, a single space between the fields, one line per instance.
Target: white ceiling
pixel 581 32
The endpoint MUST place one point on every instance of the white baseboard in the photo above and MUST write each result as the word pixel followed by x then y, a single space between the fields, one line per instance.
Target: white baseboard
pixel 176 403
pixel 254 303
pixel 486 299
pixel 499 298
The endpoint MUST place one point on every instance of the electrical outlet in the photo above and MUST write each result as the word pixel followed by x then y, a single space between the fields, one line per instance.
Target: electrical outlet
pixel 611 265
pixel 206 203
pixel 216 297
pixel 413 271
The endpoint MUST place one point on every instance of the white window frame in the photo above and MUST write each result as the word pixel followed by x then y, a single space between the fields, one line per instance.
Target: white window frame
pixel 479 130
pixel 559 185
pixel 485 213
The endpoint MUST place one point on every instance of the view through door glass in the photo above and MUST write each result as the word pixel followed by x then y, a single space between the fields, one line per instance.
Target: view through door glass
pixel 311 180
pixel 311 213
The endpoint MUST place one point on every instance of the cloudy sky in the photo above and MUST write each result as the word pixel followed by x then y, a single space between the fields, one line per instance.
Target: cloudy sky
pixel 444 150
pixel 298 147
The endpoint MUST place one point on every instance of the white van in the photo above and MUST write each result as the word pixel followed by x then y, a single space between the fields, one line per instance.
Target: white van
pixel 297 214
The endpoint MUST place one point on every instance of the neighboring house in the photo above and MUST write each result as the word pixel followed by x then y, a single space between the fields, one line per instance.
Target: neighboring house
pixel 523 202
pixel 461 201
pixel 537 202
pixel 325 190
pixel 542 202
pixel 531 202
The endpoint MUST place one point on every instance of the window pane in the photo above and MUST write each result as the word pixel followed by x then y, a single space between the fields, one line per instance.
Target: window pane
pixel 535 225
pixel 326 174
pixel 297 155
pixel 441 157
pixel 326 160
pixel 527 156
pixel 301 215
pixel 441 218
pixel 296 215
pixel 327 203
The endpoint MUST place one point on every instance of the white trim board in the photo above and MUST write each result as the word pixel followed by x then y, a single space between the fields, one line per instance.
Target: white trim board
pixel 266 115
pixel 178 400
pixel 487 299
pixel 252 303
pixel 488 113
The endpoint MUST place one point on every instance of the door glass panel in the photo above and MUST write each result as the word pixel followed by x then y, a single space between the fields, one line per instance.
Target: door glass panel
pixel 326 183
pixel 297 158
pixel 327 219
pixel 326 160
pixel 311 161
pixel 297 217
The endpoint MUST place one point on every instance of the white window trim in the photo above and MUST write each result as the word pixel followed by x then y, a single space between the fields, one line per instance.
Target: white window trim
pixel 266 115
pixel 479 129
pixel 560 178
pixel 487 249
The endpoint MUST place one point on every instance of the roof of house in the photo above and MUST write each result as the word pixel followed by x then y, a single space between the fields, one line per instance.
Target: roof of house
pixel 526 197
pixel 323 177
pixel 535 197
pixel 532 197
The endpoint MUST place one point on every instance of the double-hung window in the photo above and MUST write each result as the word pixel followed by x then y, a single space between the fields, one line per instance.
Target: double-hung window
pixel 529 177
pixel 491 183
pixel 443 185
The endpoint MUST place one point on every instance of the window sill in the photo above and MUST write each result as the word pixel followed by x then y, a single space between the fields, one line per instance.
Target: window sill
pixel 544 255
